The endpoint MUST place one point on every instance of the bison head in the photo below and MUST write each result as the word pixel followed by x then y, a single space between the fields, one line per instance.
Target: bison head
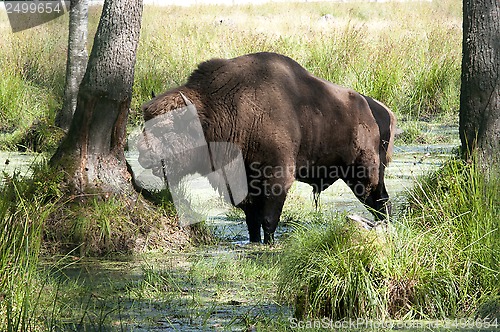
pixel 173 145
pixel 172 137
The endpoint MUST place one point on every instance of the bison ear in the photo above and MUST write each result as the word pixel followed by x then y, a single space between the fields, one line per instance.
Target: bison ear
pixel 153 94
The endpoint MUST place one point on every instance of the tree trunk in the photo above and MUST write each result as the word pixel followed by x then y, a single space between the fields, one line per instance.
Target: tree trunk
pixel 92 153
pixel 480 92
pixel 76 62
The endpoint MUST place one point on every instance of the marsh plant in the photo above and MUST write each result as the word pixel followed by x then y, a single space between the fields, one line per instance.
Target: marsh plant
pixel 440 260
pixel 405 55
pixel 22 213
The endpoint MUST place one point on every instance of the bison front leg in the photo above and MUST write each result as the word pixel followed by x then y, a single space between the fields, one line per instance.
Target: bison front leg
pixel 264 212
pixel 253 222
pixel 268 187
pixel 271 212
pixel 264 208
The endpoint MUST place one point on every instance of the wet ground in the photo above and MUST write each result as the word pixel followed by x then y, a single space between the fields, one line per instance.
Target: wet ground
pixel 409 162
pixel 218 287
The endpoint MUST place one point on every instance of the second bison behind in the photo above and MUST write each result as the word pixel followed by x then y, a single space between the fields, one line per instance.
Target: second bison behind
pixel 289 125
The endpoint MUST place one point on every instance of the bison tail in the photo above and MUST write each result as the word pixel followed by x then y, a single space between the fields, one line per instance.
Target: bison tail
pixel 386 122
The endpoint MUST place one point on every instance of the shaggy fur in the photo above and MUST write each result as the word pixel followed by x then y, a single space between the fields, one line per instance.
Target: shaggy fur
pixel 289 126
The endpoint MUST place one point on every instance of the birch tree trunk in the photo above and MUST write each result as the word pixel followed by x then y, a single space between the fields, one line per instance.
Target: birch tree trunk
pixel 76 62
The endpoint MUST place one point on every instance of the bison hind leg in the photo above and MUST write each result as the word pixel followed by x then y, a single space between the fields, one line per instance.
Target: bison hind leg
pixel 373 195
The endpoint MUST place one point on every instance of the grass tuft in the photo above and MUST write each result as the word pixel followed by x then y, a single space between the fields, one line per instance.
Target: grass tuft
pixel 330 272
pixel 441 260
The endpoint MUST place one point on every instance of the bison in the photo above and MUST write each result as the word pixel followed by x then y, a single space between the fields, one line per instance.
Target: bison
pixel 289 125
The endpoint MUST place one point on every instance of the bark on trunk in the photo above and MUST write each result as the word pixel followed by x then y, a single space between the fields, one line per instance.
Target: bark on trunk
pixel 480 92
pixel 92 154
pixel 76 60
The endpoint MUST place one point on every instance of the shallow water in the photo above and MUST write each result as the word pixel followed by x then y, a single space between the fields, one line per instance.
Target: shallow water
pixel 194 308
pixel 409 162
pixel 19 162
pixel 123 290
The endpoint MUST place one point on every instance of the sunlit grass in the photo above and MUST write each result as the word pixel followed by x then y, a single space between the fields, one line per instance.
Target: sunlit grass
pixel 32 63
pixel 364 46
pixel 440 259
pixel 404 54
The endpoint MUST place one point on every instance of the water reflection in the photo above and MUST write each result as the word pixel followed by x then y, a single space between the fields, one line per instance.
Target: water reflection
pixel 409 162
pixel 19 162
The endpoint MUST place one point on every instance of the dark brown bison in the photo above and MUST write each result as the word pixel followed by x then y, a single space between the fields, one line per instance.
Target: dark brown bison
pixel 289 125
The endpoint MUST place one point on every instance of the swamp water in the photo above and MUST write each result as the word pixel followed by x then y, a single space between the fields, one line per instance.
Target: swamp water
pixel 225 286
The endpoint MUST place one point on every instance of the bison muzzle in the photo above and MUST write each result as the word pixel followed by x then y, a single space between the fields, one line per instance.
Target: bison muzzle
pixel 289 125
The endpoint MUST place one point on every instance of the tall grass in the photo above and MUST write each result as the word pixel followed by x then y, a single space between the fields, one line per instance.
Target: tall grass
pixel 440 261
pixel 32 64
pixel 404 54
pixel 22 213
pixel 411 66
pixel 459 207
pixel 330 272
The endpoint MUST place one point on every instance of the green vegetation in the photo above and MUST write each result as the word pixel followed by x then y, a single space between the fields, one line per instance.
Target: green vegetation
pixel 39 292
pixel 413 68
pixel 36 224
pixel 440 260
pixel 329 272
pixel 31 85
pixel 22 215
pixel 406 55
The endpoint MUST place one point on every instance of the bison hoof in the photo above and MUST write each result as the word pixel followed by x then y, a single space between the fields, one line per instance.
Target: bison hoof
pixel 269 238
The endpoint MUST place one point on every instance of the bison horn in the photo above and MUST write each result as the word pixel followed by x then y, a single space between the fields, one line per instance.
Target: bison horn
pixel 153 94
pixel 186 100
